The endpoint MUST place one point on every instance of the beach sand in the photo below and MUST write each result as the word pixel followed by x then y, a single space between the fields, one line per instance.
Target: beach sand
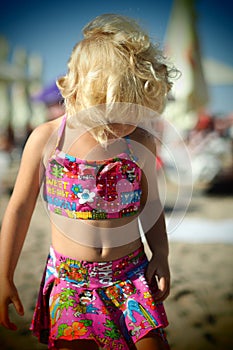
pixel 200 305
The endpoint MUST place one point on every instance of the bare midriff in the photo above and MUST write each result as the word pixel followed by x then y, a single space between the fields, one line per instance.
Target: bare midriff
pixel 97 248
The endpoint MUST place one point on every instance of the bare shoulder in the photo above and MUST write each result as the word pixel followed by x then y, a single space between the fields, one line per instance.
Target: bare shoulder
pixel 43 137
pixel 45 130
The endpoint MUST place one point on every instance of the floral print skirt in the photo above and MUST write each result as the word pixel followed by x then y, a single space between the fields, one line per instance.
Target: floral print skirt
pixel 108 302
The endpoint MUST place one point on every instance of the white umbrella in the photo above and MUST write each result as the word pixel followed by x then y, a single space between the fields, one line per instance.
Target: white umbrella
pixel 183 47
pixel 217 73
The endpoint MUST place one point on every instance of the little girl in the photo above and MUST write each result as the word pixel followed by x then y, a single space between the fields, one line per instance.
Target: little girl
pixel 96 166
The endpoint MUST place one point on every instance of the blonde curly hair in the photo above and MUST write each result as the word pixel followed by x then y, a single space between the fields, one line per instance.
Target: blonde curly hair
pixel 115 62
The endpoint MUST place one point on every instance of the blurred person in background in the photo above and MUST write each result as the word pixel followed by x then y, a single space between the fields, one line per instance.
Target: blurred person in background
pixel 50 95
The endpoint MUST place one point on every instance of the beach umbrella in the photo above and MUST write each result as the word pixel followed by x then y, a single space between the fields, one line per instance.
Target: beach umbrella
pixel 217 73
pixel 182 46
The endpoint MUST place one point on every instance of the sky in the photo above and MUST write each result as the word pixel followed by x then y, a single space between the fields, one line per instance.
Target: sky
pixel 52 28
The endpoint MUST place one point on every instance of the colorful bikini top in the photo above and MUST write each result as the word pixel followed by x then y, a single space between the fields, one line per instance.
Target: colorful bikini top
pixel 83 189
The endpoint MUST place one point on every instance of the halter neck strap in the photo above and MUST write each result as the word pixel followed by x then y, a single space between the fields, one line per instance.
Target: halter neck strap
pixel 130 149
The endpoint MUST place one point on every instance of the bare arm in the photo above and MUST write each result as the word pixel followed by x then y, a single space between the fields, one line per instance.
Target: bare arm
pixel 154 227
pixel 17 219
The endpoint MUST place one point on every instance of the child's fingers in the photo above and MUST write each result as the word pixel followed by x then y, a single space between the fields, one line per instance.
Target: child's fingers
pixel 164 289
pixel 150 272
pixel 5 321
pixel 18 305
pixel 163 284
pixel 4 314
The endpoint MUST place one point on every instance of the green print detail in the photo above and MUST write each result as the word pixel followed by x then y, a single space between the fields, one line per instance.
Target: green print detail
pixel 65 300
pixel 86 323
pixel 58 211
pixel 61 329
pixel 56 169
pixel 113 332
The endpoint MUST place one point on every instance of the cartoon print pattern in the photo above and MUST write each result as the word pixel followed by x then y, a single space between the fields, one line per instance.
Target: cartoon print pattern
pixel 82 189
pixel 109 302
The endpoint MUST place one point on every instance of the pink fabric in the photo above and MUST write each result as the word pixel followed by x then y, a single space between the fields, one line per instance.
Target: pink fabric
pixel 81 189
pixel 108 302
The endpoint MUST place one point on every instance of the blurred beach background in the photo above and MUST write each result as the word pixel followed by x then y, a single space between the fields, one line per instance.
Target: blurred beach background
pixel 195 159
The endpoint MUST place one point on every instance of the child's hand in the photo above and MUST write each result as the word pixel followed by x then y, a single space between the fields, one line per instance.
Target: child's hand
pixel 9 295
pixel 158 270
